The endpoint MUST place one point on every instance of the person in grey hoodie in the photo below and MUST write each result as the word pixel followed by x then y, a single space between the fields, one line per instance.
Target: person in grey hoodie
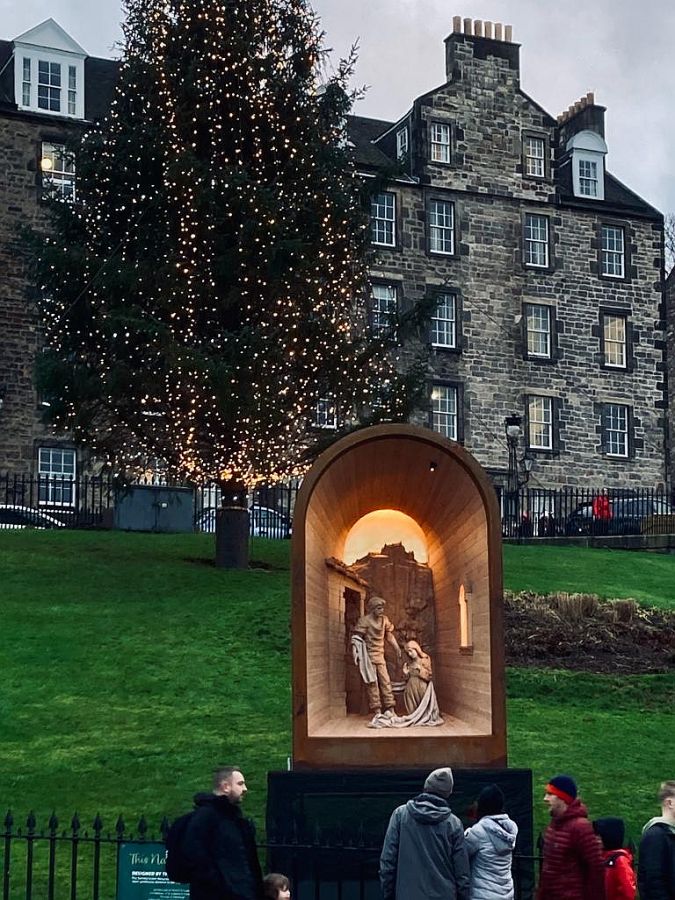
pixel 490 844
pixel 424 855
pixel 656 859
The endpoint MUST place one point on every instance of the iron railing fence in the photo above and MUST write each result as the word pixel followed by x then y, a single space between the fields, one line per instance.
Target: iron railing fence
pixel 574 512
pixel 54 501
pixel 92 863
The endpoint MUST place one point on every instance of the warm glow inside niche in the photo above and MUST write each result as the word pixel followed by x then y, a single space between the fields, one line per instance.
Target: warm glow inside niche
pixel 384 526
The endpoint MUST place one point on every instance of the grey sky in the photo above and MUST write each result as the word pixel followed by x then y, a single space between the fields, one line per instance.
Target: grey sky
pixel 617 48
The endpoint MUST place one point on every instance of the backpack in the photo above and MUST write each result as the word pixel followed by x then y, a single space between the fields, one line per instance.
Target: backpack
pixel 177 867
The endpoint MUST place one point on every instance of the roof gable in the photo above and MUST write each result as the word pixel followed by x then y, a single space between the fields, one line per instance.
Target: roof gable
pixel 51 36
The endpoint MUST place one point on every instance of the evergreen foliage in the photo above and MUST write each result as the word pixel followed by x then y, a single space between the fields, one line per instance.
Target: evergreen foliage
pixel 207 288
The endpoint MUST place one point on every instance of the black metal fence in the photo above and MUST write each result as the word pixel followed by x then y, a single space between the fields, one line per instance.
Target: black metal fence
pixel 89 502
pixel 81 863
pixel 573 512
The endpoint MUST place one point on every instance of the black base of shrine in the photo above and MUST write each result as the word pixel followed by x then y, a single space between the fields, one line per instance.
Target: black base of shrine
pixel 326 828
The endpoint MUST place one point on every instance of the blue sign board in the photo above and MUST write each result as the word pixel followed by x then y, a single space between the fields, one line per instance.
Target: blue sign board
pixel 141 874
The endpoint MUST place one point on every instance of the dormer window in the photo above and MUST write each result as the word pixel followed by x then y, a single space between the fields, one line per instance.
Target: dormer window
pixel 49 71
pixel 588 164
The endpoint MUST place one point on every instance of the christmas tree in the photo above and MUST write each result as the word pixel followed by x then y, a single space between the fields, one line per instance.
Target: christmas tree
pixel 205 293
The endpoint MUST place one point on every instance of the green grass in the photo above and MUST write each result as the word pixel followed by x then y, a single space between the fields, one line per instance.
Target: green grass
pixel 131 665
pixel 647 577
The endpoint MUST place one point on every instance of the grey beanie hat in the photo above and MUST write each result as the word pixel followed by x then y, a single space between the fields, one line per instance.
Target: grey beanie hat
pixel 440 782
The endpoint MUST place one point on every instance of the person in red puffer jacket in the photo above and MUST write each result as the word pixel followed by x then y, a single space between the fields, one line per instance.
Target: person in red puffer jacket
pixel 573 867
pixel 620 878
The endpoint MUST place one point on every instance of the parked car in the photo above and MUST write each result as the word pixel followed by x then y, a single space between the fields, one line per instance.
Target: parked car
pixel 13 516
pixel 264 522
pixel 625 516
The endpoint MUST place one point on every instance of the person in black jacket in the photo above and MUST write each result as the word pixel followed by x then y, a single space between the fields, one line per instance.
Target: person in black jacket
pixel 219 843
pixel 656 863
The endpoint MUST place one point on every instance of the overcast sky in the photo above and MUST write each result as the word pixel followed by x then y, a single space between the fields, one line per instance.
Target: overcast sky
pixel 619 49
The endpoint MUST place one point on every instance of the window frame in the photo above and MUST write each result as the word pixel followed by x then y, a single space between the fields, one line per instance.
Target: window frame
pixel 547 243
pixel 606 431
pixel 374 202
pixel 528 354
pixel 546 164
pixel 321 412
pixel 455 321
pixel 436 123
pixel 402 146
pixel 551 425
pixel 59 178
pixel 604 313
pixel 53 485
pixel 70 107
pixel 442 230
pixel 591 156
pixel 375 329
pixel 459 401
pixel 625 255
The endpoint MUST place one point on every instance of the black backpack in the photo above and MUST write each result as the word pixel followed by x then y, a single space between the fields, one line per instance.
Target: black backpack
pixel 177 867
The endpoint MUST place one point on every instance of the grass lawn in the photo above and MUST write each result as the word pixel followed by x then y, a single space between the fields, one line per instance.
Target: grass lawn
pixel 130 666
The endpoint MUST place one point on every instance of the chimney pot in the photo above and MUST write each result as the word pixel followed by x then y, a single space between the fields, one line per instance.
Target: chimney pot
pixel 467 26
pixel 457 24
pixel 590 97
pixel 508 33
pixel 498 31
pixel 488 30
pixel 478 28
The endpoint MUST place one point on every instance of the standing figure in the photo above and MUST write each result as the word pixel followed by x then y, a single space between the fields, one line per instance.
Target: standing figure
pixel 573 868
pixel 619 873
pixel 656 859
pixel 368 639
pixel 417 670
pixel 490 844
pixel 219 844
pixel 424 854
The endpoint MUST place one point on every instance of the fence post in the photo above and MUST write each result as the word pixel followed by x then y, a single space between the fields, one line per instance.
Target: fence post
pixel 30 841
pixel 53 825
pixel 75 826
pixel 9 821
pixel 98 827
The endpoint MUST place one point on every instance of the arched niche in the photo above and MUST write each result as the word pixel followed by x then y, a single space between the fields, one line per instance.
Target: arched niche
pixel 447 501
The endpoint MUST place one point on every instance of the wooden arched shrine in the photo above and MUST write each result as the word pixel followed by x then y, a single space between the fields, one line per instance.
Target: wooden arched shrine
pixel 433 509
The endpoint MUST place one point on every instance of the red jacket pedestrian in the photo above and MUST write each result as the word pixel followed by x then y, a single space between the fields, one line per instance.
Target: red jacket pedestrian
pixel 573 868
pixel 620 878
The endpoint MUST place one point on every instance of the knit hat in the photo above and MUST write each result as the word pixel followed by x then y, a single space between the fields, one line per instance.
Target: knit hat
pixel 490 801
pixel 562 786
pixel 440 782
pixel 611 831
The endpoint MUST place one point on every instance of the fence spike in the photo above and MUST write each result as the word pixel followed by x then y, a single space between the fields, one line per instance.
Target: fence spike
pixel 9 821
pixel 75 824
pixel 53 823
pixel 120 827
pixel 31 822
pixel 97 825
pixel 142 828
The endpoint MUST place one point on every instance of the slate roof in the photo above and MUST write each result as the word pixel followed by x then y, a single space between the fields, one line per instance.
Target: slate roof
pixel 617 195
pixel 362 132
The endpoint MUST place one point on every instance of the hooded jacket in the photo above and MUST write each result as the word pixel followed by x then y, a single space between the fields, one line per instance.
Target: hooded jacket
pixel 619 874
pixel 490 844
pixel 656 862
pixel 219 845
pixel 424 855
pixel 573 868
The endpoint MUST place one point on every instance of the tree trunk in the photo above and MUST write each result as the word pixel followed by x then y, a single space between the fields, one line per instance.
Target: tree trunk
pixel 232 528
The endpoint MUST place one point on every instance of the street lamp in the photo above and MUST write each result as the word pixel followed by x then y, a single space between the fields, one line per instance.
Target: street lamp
pixel 518 468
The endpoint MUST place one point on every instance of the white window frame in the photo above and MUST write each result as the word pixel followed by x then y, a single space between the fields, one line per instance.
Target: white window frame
pixel 402 144
pixel 445 410
pixel 538 330
pixel 71 101
pixel 441 219
pixel 615 340
pixel 579 181
pixel 539 422
pixel 616 422
pixel 56 479
pixel 325 413
pixel 535 240
pixel 535 163
pixel 383 219
pixel 588 177
pixel 440 136
pixel 58 171
pixel 383 310
pixel 444 322
pixel 612 251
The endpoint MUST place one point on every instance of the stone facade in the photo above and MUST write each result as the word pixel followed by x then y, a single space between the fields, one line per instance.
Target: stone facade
pixel 488 119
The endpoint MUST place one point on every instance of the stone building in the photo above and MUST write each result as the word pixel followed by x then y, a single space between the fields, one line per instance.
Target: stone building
pixel 545 269
pixel 548 272
pixel 48 87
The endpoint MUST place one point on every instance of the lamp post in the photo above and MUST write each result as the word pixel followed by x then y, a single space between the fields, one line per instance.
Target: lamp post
pixel 518 471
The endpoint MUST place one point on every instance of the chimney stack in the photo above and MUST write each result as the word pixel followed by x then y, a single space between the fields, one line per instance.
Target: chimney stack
pixel 489 39
pixel 478 28
pixel 584 115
